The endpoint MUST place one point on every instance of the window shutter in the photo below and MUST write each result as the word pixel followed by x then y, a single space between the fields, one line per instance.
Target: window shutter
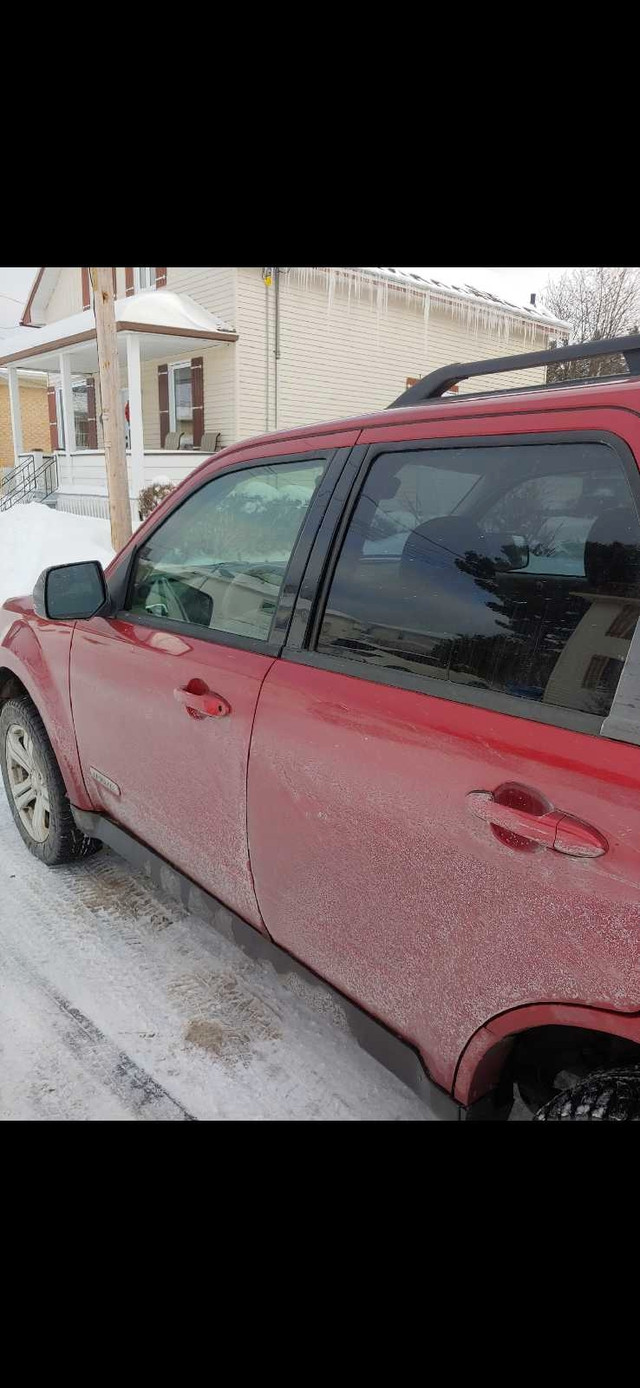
pixel 163 398
pixel 197 399
pixel 92 423
pixel 86 289
pixel 161 278
pixel 115 282
pixel 53 418
pixel 128 281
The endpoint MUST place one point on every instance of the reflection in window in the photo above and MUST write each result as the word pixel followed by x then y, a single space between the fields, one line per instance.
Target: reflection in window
pixel 219 560
pixel 512 568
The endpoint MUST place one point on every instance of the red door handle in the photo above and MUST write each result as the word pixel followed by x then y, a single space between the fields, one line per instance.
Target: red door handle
pixel 553 830
pixel 202 704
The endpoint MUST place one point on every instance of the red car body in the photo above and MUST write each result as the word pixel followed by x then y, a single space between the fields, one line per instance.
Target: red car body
pixel 331 810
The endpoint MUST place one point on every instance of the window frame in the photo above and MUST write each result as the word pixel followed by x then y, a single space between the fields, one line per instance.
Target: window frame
pixel 121 580
pixel 307 620
pixel 137 281
pixel 172 367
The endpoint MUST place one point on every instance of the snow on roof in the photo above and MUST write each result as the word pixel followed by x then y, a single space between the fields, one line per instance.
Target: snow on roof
pixel 158 312
pixel 460 291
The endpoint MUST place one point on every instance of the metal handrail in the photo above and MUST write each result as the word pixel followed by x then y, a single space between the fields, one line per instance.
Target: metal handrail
pixel 28 478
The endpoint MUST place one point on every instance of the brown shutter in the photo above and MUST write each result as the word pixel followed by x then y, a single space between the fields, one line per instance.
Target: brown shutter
pixel 197 399
pixel 163 398
pixel 161 278
pixel 92 423
pixel 129 287
pixel 53 418
pixel 115 283
pixel 86 289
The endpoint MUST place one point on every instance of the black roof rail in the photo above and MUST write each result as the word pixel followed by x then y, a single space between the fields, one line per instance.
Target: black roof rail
pixel 435 384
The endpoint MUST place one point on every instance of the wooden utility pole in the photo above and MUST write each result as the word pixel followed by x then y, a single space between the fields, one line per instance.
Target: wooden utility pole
pixel 112 413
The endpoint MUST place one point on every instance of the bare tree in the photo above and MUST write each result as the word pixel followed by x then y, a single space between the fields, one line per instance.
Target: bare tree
pixel 597 302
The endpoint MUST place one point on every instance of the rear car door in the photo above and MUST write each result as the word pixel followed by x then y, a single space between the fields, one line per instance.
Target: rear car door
pixel 441 739
pixel 164 695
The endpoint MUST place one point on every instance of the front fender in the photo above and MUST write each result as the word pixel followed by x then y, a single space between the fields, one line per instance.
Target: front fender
pixel 37 652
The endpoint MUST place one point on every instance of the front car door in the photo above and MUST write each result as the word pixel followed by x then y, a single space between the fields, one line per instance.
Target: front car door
pixel 164 695
pixel 439 740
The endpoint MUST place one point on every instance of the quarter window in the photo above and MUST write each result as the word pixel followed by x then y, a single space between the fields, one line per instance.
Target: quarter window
pixel 512 568
pixel 220 559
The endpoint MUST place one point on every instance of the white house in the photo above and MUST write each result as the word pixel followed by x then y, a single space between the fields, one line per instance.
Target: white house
pixel 214 354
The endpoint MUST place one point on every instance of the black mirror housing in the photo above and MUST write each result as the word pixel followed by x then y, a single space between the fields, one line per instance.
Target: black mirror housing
pixel 71 592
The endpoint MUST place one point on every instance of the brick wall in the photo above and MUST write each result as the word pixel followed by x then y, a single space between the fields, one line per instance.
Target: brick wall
pixel 35 420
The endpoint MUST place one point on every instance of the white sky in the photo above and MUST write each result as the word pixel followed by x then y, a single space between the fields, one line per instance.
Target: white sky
pixel 511 282
pixel 514 283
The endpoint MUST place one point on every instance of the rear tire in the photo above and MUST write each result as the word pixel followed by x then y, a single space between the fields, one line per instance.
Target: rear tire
pixel 611 1096
pixel 35 789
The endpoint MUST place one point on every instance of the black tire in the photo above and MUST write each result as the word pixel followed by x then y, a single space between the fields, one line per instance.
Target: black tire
pixel 611 1096
pixel 64 841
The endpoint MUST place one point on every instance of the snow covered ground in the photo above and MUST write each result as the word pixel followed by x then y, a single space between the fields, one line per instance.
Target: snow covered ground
pixel 114 1004
pixel 33 537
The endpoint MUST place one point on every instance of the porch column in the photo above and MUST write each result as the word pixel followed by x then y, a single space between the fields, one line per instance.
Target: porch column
pixel 16 416
pixel 67 411
pixel 134 382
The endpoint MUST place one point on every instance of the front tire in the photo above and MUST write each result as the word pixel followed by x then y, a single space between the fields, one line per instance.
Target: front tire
pixel 35 789
pixel 611 1096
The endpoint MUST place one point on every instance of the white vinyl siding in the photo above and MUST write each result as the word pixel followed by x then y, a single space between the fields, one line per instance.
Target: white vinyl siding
pixel 343 356
pixel 67 295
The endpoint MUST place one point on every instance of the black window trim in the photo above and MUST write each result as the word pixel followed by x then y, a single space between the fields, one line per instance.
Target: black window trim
pixel 300 646
pixel 121 581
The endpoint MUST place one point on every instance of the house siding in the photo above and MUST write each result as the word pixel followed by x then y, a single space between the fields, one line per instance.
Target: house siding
pixel 35 421
pixel 67 295
pixel 218 366
pixel 343 355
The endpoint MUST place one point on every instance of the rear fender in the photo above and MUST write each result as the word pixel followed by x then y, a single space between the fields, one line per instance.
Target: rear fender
pixel 485 1054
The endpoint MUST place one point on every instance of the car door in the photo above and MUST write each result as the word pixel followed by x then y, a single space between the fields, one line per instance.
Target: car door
pixel 164 694
pixel 443 820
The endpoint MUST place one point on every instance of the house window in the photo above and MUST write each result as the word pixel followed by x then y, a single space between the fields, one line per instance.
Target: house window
pixel 60 417
pixel 81 414
pixel 145 277
pixel 181 402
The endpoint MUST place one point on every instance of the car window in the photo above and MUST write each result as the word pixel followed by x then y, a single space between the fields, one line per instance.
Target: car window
pixel 219 560
pixel 520 573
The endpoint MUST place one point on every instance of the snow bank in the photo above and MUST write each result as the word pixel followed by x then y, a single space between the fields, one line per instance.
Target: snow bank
pixel 32 537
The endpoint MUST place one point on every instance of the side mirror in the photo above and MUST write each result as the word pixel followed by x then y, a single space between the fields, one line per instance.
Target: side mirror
pixel 69 592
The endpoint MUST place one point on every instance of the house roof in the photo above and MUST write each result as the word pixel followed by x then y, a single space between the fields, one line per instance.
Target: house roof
pixel 536 313
pixel 168 323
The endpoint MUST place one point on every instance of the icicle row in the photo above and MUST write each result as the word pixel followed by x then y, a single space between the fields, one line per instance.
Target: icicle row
pixel 478 317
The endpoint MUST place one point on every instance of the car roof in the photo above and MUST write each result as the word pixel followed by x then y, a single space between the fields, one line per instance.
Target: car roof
pixel 616 392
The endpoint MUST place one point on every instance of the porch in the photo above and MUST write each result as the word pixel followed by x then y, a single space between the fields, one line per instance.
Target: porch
pixel 176 381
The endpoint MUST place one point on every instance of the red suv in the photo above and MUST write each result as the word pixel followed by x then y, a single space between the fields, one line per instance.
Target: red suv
pixel 368 695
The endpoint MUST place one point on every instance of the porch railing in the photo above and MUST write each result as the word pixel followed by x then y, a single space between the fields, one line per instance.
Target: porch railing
pixel 35 479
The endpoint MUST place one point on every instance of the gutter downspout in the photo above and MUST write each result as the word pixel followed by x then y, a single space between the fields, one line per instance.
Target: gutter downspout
pixel 266 350
pixel 276 274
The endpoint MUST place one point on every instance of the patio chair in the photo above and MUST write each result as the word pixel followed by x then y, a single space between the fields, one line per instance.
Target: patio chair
pixel 172 441
pixel 209 443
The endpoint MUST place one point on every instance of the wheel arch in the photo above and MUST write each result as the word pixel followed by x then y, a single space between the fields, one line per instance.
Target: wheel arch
pixel 490 1051
pixel 15 683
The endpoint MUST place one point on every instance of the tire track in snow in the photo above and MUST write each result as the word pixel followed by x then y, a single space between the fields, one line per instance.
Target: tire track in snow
pixel 150 997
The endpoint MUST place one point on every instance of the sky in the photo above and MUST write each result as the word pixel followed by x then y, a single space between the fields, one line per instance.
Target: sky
pixel 514 283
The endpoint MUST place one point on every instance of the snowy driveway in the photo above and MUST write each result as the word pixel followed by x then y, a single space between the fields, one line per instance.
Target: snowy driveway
pixel 114 1004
